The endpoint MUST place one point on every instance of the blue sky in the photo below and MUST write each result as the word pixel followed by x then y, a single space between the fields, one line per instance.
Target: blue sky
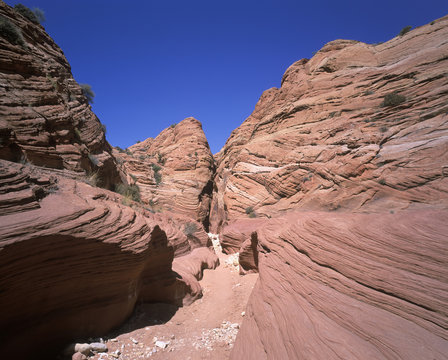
pixel 154 63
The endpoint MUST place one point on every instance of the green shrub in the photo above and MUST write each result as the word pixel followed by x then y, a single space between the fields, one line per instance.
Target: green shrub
pixel 190 228
pixel 39 13
pixel 405 30
pixel 157 175
pixel 129 191
pixel 10 32
pixel 249 210
pixel 160 159
pixel 87 92
pixel 36 15
pixel 252 215
pixel 393 99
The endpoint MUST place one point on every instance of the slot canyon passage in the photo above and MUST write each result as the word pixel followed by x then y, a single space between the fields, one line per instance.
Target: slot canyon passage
pixel 319 231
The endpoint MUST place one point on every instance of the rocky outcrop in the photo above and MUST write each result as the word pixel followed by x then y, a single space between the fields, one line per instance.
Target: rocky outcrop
pixel 44 117
pixel 359 127
pixel 174 171
pixel 349 286
pixel 76 260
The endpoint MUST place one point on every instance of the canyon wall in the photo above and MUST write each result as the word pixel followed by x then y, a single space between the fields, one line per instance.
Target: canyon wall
pixel 74 258
pixel 349 286
pixel 174 171
pixel 358 127
pixel 335 190
pixel 44 117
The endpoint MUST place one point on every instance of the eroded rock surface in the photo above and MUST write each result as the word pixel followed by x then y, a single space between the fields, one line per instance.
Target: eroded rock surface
pixel 44 117
pixel 325 140
pixel 75 260
pixel 349 286
pixel 174 171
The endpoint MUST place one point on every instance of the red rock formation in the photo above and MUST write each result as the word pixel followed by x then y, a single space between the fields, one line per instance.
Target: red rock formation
pixel 349 286
pixel 174 171
pixel 44 117
pixel 75 260
pixel 327 140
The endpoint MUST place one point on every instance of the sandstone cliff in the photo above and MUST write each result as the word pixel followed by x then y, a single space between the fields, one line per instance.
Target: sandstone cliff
pixel 75 260
pixel 360 127
pixel 359 132
pixel 174 171
pixel 44 117
pixel 349 286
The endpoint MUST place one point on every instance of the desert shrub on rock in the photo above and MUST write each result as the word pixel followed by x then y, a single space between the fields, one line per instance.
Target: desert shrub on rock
pixel 10 32
pixel 131 192
pixel 405 30
pixel 87 92
pixel 190 228
pixel 36 15
pixel 393 99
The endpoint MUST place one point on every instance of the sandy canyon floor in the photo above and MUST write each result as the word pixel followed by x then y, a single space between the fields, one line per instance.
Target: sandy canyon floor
pixel 204 330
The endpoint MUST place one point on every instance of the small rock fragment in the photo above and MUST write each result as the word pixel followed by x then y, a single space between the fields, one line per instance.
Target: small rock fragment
pixel 79 356
pixel 97 346
pixel 161 344
pixel 243 313
pixel 114 340
pixel 82 348
pixel 134 341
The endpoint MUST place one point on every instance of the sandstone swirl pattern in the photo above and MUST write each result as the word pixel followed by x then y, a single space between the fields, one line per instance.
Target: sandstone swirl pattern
pixel 174 171
pixel 345 170
pixel 44 117
pixel 324 141
pixel 349 286
pixel 74 260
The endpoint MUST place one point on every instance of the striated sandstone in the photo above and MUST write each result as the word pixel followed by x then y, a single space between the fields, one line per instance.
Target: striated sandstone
pixel 44 117
pixel 323 140
pixel 349 286
pixel 174 171
pixel 75 260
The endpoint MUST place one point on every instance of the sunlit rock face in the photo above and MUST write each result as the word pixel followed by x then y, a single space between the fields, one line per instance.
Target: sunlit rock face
pixel 174 171
pixel 44 117
pixel 74 258
pixel 357 127
pixel 349 286
pixel 335 191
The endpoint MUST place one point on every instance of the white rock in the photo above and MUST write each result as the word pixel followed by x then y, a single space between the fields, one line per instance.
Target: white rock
pixel 114 340
pixel 161 344
pixel 97 346
pixel 82 348
pixel 134 341
pixel 243 313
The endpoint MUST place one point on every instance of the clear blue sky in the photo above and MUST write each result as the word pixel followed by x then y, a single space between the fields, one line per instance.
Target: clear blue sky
pixel 153 63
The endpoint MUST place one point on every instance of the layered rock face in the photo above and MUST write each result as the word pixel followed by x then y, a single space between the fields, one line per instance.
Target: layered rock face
pixel 349 286
pixel 358 132
pixel 44 117
pixel 360 127
pixel 75 260
pixel 174 171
